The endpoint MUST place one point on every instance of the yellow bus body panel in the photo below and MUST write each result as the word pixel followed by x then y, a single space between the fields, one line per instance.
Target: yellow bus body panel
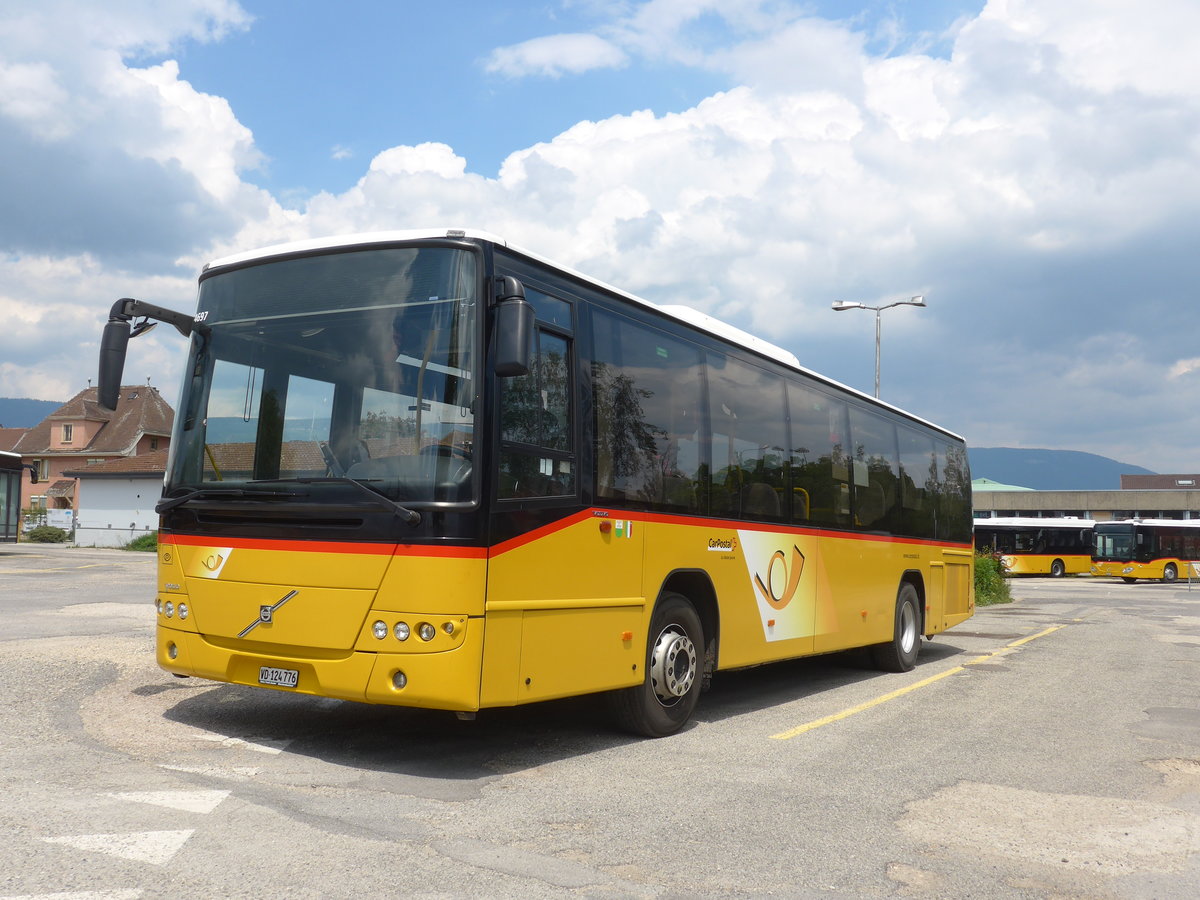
pixel 563 610
pixel 1040 563
pixel 321 620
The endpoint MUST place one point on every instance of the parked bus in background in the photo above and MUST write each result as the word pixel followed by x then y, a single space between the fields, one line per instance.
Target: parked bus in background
pixel 1032 546
pixel 1159 549
pixel 433 470
pixel 12 470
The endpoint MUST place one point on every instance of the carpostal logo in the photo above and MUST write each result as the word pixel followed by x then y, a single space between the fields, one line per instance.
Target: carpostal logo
pixel 782 575
pixel 722 545
pixel 783 587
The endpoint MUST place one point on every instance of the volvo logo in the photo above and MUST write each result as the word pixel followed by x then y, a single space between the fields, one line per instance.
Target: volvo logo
pixel 266 614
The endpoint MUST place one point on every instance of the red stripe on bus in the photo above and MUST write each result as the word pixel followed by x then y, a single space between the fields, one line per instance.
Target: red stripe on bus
pixel 600 515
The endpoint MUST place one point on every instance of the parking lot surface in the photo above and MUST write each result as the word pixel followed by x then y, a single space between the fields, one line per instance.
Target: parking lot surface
pixel 1045 748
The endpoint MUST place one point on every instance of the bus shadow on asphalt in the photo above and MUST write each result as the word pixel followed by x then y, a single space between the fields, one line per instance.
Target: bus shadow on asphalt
pixel 427 747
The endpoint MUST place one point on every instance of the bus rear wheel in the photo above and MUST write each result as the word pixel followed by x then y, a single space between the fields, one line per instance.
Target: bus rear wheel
pixel 667 696
pixel 1057 569
pixel 900 653
pixel 1170 574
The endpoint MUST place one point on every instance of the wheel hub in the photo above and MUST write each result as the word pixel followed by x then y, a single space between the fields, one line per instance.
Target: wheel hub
pixel 672 665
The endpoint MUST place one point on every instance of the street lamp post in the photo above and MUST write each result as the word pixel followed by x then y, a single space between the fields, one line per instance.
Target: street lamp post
pixel 840 305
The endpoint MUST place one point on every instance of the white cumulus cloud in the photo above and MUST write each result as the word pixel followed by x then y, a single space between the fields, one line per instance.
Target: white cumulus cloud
pixel 555 55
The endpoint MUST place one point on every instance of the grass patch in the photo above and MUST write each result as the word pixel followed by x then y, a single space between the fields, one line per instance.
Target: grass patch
pixel 991 585
pixel 146 542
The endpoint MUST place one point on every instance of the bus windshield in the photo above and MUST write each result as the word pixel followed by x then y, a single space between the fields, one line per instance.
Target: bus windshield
pixel 356 365
pixel 1116 544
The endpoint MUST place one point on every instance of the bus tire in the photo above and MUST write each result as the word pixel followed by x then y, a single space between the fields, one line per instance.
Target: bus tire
pixel 666 698
pixel 1128 580
pixel 1170 574
pixel 900 653
pixel 1057 569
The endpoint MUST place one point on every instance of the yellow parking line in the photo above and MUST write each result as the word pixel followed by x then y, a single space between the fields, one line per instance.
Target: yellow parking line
pixel 877 701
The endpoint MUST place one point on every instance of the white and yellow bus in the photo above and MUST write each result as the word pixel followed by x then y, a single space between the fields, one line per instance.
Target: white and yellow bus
pixel 1156 549
pixel 434 470
pixel 1033 546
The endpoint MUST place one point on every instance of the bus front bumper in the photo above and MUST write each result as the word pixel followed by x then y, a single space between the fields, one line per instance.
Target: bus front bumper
pixel 444 680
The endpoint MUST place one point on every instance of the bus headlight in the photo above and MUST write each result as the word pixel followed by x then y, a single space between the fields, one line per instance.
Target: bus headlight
pixel 380 630
pixel 183 611
pixel 426 631
pixel 402 631
pixel 169 609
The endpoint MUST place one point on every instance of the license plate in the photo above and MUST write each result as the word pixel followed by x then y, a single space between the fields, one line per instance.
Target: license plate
pixel 278 677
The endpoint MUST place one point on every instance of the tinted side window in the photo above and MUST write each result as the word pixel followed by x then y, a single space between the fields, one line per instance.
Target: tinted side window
pixel 918 480
pixel 954 493
pixel 820 467
pixel 536 445
pixel 647 390
pixel 874 471
pixel 749 437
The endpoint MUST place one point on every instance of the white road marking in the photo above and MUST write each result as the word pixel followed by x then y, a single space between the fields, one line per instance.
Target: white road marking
pixel 234 773
pixel 80 895
pixel 188 801
pixel 263 746
pixel 154 847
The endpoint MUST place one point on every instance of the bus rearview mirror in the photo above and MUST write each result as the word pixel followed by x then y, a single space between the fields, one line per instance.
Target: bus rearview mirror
pixel 113 344
pixel 514 329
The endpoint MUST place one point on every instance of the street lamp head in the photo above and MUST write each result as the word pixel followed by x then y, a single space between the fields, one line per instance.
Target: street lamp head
pixel 917 300
pixel 839 305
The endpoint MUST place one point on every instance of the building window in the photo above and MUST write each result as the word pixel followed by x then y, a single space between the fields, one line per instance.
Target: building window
pixel 68 433
pixel 43 469
pixel 153 443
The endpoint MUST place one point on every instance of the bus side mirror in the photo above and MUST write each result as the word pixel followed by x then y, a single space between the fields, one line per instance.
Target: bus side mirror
pixel 113 344
pixel 514 328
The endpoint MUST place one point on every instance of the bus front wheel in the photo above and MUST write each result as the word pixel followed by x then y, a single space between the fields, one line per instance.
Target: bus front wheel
pixel 667 696
pixel 1057 569
pixel 1170 573
pixel 900 653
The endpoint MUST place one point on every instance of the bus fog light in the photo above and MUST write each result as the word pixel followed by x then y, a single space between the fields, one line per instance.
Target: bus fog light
pixel 448 628
pixel 380 630
pixel 169 609
pixel 426 631
pixel 402 631
pixel 183 611
pixel 172 651
pixel 399 680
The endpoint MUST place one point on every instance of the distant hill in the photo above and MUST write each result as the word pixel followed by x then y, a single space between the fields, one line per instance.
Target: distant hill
pixel 1050 470
pixel 25 413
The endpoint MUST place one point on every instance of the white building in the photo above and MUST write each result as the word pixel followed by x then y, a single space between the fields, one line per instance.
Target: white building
pixel 116 499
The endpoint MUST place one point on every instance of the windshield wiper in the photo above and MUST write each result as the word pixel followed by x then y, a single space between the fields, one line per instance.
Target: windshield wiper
pixel 168 503
pixel 410 516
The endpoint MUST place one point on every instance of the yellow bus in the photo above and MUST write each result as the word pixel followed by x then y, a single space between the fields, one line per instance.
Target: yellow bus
pixel 1033 546
pixel 435 470
pixel 1157 549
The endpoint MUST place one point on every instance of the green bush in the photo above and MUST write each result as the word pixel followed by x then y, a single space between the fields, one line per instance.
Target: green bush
pixel 47 534
pixel 147 541
pixel 991 585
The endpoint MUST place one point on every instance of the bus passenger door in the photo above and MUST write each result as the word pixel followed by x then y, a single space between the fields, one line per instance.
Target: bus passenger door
pixel 563 605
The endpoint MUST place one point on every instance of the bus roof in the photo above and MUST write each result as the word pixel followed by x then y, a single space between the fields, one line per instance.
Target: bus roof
pixel 1034 522
pixel 686 314
pixel 1177 523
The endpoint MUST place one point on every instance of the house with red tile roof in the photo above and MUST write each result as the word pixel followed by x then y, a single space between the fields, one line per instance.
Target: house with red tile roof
pixel 82 433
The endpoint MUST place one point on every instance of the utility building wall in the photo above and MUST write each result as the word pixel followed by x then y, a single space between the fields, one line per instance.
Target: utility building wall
pixel 114 511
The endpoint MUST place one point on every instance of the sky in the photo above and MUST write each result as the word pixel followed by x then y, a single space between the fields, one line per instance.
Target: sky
pixel 1031 167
